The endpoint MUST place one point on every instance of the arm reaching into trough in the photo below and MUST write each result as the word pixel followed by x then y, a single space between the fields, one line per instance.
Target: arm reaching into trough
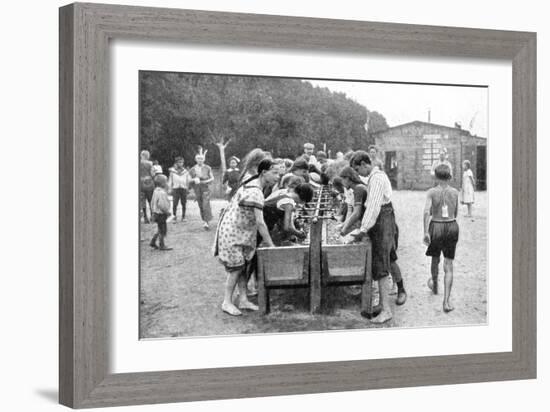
pixel 288 224
pixel 262 227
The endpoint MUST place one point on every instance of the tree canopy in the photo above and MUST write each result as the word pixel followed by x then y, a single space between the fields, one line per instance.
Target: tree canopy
pixel 180 112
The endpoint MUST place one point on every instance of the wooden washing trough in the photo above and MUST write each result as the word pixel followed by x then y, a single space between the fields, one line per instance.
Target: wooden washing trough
pixel 316 267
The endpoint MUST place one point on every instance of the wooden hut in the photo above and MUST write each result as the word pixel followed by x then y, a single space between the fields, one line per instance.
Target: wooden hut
pixel 408 152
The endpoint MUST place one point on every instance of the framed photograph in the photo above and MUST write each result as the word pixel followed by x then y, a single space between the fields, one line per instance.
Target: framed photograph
pixel 256 205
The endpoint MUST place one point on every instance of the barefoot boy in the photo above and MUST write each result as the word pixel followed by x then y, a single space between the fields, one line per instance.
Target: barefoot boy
pixel 160 207
pixel 441 230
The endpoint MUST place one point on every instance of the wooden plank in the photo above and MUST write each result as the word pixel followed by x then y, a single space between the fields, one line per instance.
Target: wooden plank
pixel 315 304
pixel 66 205
pixel 263 296
pixel 524 207
pixel 283 264
pixel 280 283
pixel 366 290
pixel 345 280
pixel 345 261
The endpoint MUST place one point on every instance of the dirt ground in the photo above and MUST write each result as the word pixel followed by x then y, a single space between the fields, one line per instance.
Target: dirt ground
pixel 182 289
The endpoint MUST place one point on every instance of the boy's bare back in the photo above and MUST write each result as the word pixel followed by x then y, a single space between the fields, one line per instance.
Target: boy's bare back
pixel 440 197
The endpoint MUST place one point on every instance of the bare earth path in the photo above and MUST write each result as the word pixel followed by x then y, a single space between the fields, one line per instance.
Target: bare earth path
pixel 181 290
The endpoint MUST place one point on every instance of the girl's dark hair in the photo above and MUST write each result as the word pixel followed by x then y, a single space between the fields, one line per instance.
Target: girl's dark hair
pixel 351 175
pixel 293 181
pixel 304 192
pixel 349 155
pixel 360 156
pixel 265 164
pixel 337 184
pixel 251 161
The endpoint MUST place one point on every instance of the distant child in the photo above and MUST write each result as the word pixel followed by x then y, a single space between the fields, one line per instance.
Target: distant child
pixel 231 177
pixel 338 192
pixel 468 187
pixel 157 168
pixel 282 172
pixel 300 168
pixel 292 182
pixel 160 207
pixel 201 177
pixel 178 182
pixel 441 230
pixel 146 184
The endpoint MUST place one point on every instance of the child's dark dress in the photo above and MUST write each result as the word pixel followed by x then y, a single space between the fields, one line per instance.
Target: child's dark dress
pixel 231 177
pixel 274 216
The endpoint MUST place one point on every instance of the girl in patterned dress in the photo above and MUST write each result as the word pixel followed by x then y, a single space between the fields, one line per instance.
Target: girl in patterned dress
pixel 236 236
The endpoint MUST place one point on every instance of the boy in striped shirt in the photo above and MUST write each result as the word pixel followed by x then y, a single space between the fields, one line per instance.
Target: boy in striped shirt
pixel 379 222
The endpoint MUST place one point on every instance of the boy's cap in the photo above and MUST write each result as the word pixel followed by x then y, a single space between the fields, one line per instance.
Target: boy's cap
pixel 300 163
pixel 315 177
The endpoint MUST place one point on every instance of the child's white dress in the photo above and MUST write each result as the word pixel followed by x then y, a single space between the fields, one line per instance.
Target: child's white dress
pixel 467 187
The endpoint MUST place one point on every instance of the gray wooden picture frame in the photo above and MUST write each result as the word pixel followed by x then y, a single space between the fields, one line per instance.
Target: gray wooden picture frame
pixel 85 31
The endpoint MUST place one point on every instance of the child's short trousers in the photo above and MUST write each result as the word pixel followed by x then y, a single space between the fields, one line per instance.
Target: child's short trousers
pixel 443 238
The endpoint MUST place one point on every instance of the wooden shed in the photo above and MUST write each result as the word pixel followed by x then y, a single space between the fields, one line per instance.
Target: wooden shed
pixel 408 152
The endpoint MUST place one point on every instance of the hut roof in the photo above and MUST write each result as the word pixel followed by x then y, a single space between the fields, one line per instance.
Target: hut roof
pixel 420 123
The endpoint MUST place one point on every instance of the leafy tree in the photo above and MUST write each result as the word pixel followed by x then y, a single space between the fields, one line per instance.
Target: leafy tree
pixel 180 112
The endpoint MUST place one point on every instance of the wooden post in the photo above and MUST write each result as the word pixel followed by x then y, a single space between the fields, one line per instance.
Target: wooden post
pixel 366 290
pixel 263 292
pixel 315 266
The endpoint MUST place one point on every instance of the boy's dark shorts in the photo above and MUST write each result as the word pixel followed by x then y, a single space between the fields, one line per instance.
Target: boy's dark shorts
pixel 443 238
pixel 393 252
pixel 160 220
pixel 383 238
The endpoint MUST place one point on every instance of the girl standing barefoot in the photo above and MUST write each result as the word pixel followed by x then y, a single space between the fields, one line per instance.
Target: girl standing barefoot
pixel 236 236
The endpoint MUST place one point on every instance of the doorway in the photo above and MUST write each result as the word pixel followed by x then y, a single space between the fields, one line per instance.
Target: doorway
pixel 481 168
pixel 390 167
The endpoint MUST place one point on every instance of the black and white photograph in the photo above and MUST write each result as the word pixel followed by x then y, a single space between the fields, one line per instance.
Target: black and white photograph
pixel 277 205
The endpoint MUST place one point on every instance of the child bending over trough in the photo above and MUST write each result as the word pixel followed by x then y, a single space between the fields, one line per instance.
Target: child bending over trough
pixel 279 210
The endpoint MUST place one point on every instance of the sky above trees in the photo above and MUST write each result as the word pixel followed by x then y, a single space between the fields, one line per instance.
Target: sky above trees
pixel 403 103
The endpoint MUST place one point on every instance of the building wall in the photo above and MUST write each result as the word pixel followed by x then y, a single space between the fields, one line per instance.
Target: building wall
pixel 417 146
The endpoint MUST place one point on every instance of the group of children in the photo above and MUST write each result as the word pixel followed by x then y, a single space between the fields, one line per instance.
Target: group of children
pixel 155 188
pixel 265 192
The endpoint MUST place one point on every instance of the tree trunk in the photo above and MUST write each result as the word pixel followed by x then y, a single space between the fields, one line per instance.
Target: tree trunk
pixel 221 148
